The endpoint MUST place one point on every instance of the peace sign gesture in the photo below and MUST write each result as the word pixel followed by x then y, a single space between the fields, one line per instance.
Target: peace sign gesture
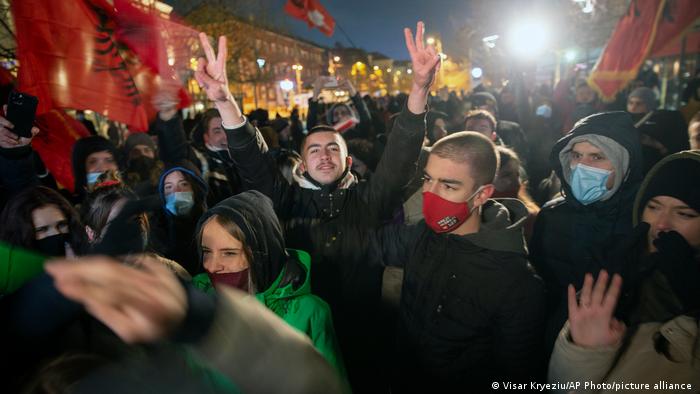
pixel 591 318
pixel 211 72
pixel 426 60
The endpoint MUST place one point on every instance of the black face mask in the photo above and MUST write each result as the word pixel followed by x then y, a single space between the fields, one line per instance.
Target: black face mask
pixel 677 261
pixel 54 246
pixel 142 166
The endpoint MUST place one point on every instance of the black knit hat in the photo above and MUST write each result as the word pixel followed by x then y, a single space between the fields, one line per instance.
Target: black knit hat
pixel 676 178
pixel 83 148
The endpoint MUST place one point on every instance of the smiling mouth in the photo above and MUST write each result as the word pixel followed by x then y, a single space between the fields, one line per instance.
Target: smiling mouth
pixel 325 167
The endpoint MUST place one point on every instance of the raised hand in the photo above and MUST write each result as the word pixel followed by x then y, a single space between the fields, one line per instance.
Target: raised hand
pixel 8 139
pixel 139 304
pixel 591 319
pixel 211 72
pixel 425 59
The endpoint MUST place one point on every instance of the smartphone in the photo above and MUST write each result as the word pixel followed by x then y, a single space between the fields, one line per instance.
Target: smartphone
pixel 21 109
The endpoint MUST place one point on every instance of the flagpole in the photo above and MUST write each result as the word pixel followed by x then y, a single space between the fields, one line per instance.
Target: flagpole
pixel 347 37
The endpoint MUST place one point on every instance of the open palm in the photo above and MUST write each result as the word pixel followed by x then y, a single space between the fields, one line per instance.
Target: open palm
pixel 591 318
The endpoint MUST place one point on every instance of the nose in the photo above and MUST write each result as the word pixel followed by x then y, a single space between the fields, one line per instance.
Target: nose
pixel 213 264
pixel 661 223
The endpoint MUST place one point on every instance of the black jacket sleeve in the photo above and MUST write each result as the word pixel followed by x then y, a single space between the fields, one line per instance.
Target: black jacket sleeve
pixel 384 191
pixel 17 170
pixel 519 326
pixel 257 169
pixel 312 115
pixel 393 245
pixel 172 143
pixel 362 129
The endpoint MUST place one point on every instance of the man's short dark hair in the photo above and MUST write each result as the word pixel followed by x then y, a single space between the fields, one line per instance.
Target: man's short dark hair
pixel 478 114
pixel 473 149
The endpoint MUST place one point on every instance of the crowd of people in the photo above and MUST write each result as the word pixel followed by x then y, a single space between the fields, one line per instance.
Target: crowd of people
pixel 408 243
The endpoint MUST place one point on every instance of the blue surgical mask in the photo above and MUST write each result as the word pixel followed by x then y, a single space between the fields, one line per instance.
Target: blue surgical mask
pixel 92 177
pixel 588 184
pixel 544 111
pixel 179 203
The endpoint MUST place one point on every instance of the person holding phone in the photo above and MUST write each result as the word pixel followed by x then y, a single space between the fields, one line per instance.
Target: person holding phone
pixel 340 115
pixel 17 170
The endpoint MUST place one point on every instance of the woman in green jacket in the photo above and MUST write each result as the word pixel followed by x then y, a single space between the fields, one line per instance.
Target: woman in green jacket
pixel 241 245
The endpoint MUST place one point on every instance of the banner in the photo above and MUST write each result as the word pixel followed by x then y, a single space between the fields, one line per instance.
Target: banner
pixel 647 27
pixel 68 58
pixel 313 13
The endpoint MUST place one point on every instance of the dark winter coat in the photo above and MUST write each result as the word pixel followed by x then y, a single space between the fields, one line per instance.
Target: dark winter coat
pixel 571 239
pixel 471 310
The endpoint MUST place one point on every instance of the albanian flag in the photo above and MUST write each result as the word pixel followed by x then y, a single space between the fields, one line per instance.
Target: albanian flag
pixel 645 30
pixel 313 13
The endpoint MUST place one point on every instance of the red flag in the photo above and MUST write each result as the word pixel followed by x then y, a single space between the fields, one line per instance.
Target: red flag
pixel 68 58
pixel 162 45
pixel 648 26
pixel 59 131
pixel 313 13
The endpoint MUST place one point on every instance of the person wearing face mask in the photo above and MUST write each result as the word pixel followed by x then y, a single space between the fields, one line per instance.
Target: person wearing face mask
pixel 208 150
pixel 471 310
pixel 241 246
pixel 91 157
pixel 645 328
pixel 143 167
pixel 599 164
pixel 183 198
pixel 42 220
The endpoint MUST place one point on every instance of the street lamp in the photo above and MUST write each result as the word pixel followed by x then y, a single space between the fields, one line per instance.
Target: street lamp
pixel 298 68
pixel 336 59
pixel 529 38
pixel 430 40
pixel 570 55
pixel 261 62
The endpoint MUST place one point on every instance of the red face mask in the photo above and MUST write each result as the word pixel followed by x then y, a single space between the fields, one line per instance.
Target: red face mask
pixel 238 279
pixel 443 216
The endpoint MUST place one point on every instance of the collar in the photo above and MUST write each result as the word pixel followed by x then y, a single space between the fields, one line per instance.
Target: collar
pixel 306 182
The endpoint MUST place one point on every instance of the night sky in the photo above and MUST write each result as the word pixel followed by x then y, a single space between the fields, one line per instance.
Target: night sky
pixel 373 25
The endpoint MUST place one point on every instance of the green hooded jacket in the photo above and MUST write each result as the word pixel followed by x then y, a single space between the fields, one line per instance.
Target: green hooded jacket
pixel 284 274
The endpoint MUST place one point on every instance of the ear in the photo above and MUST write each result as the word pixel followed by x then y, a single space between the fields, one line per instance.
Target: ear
pixel 92 236
pixel 348 161
pixel 485 193
pixel 302 167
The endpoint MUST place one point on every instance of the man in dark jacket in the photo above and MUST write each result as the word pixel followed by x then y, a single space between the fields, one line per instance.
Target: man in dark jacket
pixel 662 132
pixel 326 199
pixel 471 311
pixel 599 164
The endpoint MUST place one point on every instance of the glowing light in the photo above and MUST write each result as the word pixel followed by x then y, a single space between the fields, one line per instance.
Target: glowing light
pixel 336 59
pixel 477 72
pixel 409 71
pixel 375 68
pixel 430 41
pixel 261 62
pixel 286 85
pixel 529 38
pixel 570 55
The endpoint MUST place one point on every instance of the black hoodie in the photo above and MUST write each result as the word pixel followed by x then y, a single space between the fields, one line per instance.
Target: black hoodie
pixel 252 211
pixel 571 239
